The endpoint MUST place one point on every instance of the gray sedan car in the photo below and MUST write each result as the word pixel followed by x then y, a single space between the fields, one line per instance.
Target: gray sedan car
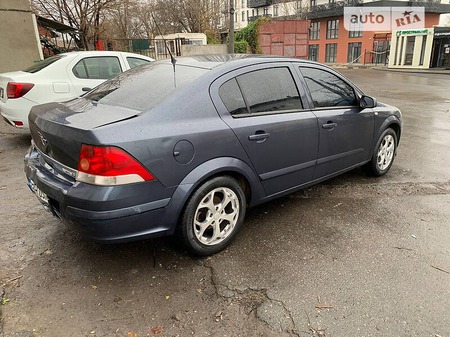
pixel 186 147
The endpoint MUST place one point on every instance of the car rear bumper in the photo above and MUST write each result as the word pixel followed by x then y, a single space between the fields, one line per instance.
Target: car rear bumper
pixel 101 213
pixel 16 111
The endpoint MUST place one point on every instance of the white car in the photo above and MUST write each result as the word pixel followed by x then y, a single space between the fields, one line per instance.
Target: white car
pixel 59 78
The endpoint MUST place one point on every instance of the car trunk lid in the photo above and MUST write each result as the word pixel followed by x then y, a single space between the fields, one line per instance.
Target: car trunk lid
pixel 59 129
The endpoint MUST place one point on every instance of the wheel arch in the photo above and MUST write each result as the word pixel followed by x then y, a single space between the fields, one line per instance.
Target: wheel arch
pixel 227 166
pixel 390 122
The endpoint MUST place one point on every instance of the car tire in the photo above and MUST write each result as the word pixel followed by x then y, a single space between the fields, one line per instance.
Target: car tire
pixel 384 153
pixel 212 216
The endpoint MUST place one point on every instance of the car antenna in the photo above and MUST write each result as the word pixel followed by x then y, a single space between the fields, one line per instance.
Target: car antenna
pixel 172 58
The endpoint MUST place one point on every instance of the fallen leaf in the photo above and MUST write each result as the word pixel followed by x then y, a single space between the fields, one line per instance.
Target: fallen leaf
pixel 167 297
pixel 157 330
pixel 132 334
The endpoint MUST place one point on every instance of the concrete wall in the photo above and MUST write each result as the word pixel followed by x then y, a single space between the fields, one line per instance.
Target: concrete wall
pixel 19 44
pixel 210 49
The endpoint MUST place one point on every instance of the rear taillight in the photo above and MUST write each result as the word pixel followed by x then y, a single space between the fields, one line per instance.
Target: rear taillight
pixel 109 165
pixel 16 90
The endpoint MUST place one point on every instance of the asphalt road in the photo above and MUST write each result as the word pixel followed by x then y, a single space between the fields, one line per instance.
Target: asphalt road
pixel 355 256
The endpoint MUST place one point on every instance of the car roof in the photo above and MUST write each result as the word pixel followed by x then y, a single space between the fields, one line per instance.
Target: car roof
pixel 102 52
pixel 235 60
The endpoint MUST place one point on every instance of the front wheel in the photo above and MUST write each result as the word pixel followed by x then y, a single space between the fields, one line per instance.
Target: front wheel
pixel 384 153
pixel 212 216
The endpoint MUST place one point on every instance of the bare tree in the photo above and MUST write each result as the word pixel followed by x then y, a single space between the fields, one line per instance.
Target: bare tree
pixel 192 16
pixel 294 9
pixel 84 15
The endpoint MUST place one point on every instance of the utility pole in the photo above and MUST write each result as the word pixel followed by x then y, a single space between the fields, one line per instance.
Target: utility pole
pixel 231 35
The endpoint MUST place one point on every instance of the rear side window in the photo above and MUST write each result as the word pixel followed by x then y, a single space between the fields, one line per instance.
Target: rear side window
pixel 43 64
pixel 231 96
pixel 328 90
pixel 263 91
pixel 136 62
pixel 99 68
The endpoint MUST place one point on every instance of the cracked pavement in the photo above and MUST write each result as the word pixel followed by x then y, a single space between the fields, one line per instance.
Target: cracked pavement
pixel 354 256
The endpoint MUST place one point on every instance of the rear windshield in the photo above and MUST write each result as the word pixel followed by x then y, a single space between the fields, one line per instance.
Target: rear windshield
pixel 144 87
pixel 42 64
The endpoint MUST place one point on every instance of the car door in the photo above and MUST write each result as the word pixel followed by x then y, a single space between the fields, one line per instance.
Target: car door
pixel 263 107
pixel 88 72
pixel 345 129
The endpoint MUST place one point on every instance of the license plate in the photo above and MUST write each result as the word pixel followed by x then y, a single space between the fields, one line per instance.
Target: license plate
pixel 42 197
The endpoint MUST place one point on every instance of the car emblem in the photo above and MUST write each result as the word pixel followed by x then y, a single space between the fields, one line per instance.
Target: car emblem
pixel 43 139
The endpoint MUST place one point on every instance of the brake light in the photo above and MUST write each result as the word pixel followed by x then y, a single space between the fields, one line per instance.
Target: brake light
pixel 109 165
pixel 17 90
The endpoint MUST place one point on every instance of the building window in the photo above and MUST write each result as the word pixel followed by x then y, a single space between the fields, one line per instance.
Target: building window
pixel 331 1
pixel 266 11
pixel 313 4
pixel 243 15
pixel 275 10
pixel 355 30
pixel 355 33
pixel 243 3
pixel 313 54
pixel 354 52
pixel 330 52
pixel 314 31
pixel 332 29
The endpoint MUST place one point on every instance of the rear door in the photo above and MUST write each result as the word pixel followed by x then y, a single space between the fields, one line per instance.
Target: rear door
pixel 263 106
pixel 345 129
pixel 88 72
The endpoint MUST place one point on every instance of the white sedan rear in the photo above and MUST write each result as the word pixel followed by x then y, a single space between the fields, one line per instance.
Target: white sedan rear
pixel 59 78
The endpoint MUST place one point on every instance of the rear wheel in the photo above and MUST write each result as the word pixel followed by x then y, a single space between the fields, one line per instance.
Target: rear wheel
pixel 384 153
pixel 212 216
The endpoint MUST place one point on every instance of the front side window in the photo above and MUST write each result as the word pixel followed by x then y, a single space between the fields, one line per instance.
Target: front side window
pixel 332 29
pixel 262 91
pixel 328 90
pixel 136 62
pixel 99 68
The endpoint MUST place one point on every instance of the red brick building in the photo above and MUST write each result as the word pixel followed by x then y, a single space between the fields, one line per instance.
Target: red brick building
pixel 330 42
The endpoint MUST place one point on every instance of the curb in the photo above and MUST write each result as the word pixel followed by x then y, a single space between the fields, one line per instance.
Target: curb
pixel 415 71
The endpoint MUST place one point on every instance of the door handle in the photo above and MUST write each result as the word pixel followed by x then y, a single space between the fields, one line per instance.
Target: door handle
pixel 259 137
pixel 86 89
pixel 329 126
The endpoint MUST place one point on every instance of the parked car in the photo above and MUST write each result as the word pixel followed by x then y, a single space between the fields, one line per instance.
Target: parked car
pixel 59 78
pixel 185 149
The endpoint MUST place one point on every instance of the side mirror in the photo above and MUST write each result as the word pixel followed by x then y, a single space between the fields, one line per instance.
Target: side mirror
pixel 367 102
